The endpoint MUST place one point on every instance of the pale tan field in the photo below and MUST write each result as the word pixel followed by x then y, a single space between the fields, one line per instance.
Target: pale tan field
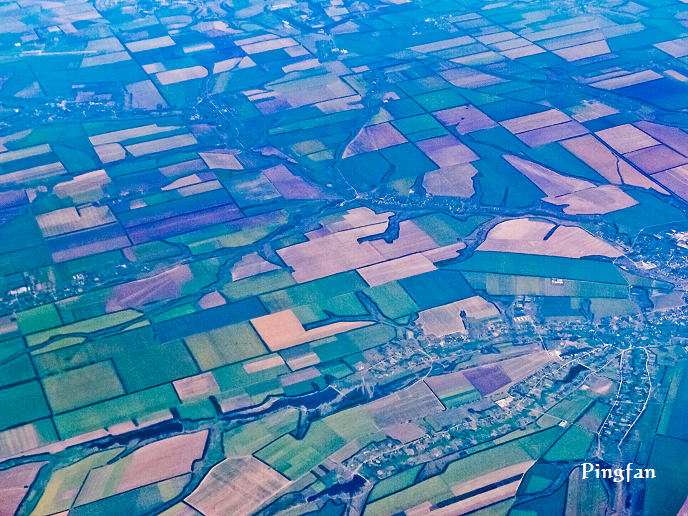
pixel 398 268
pixel 521 367
pixel 356 218
pixel 221 160
pixel 302 361
pixel 163 144
pixel 181 75
pixel 41 172
pixel 441 320
pixel 535 121
pixel 109 152
pixel 126 134
pixel 614 169
pixel 236 486
pixel 154 462
pixel 408 404
pixel 66 220
pixel 14 483
pixel 626 138
pixel 445 252
pixel 492 477
pixel 263 363
pixel 28 152
pixel 330 253
pixel 203 384
pixel 527 236
pixel 148 44
pixel 453 180
pixel 598 200
pixel 576 52
pixel 445 319
pixel 250 265
pixel 84 186
pixel 550 182
pixel 283 329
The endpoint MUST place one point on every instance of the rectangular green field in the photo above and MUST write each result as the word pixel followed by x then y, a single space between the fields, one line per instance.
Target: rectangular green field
pixel 573 445
pixel 226 345
pixel 541 266
pixel 247 438
pixel 37 319
pixel 674 421
pixel 83 386
pixel 515 285
pixel 21 404
pixel 85 326
pixel 139 405
pixel 394 483
pixel 293 457
pixel 352 342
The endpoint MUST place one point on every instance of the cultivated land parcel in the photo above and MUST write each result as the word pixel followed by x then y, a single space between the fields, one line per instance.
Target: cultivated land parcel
pixel 382 257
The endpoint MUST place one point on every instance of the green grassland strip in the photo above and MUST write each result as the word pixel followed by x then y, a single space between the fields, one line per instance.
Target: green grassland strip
pixel 83 327
pixel 541 266
pixel 672 394
pixel 395 483
pixel 293 457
